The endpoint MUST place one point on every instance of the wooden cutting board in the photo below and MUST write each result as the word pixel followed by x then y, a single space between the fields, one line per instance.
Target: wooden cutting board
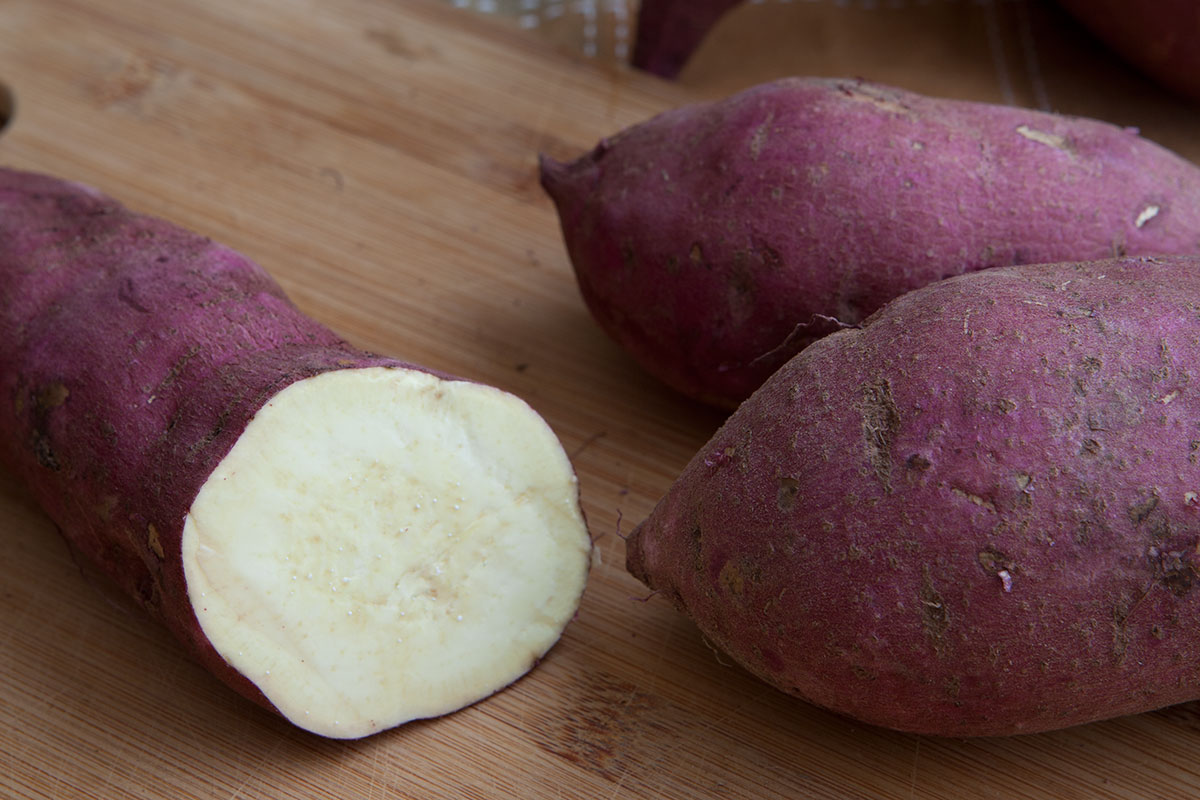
pixel 378 157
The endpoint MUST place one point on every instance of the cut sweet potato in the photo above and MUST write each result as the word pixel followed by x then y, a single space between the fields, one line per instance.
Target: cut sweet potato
pixel 348 539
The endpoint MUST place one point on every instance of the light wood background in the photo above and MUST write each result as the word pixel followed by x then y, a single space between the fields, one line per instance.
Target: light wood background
pixel 378 157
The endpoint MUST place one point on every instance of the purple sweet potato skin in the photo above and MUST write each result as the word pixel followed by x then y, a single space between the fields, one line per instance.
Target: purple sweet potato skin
pixel 669 31
pixel 1162 39
pixel 976 515
pixel 132 355
pixel 715 241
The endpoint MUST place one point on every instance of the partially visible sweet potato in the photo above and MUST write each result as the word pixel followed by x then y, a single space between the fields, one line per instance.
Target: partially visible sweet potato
pixel 716 240
pixel 978 514
pixel 347 539
pixel 1162 38
pixel 668 31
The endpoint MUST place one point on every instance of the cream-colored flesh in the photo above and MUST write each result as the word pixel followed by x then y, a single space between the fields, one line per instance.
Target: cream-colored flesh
pixel 382 545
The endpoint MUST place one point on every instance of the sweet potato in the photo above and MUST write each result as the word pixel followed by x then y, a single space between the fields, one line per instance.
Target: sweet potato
pixel 716 240
pixel 347 539
pixel 669 31
pixel 1162 39
pixel 978 514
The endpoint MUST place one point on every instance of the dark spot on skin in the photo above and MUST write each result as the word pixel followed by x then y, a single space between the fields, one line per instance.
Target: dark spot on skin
pixel 1159 529
pixel 1090 447
pixel 1175 572
pixel 127 294
pixel 785 497
pixel 1092 365
pixel 51 396
pixel 628 256
pixel 732 579
pixel 147 592
pixel 154 541
pixel 975 499
pixel 759 138
pixel 862 673
pixel 993 561
pixel 176 369
pixel 880 422
pixel 45 400
pixel 696 255
pixel 209 437
pixel 719 457
pixel 935 617
pixel 918 462
pixel 105 508
pixel 741 281
pixel 1120 635
pixel 1140 511
pixel 109 432
pixel 1005 406
pixel 44 453
pixel 770 257
pixel 697 547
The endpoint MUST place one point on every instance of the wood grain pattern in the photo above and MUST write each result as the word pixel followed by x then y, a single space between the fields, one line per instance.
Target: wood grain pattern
pixel 378 157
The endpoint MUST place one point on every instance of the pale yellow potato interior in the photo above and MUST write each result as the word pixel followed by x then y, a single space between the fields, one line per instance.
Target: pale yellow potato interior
pixel 382 545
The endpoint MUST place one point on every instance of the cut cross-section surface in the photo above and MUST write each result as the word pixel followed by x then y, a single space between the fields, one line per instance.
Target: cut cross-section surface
pixel 382 545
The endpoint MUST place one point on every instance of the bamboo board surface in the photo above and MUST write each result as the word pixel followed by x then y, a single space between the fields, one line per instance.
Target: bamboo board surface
pixel 378 158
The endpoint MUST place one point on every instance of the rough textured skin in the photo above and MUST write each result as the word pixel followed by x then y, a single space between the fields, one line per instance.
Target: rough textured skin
pixel 715 241
pixel 978 514
pixel 132 355
pixel 1162 39
pixel 669 31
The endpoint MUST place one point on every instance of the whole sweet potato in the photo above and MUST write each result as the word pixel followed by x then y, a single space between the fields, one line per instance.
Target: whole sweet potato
pixel 1162 38
pixel 977 514
pixel 716 240
pixel 347 539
